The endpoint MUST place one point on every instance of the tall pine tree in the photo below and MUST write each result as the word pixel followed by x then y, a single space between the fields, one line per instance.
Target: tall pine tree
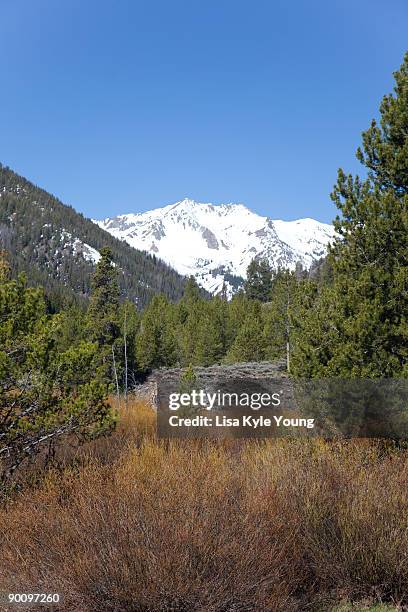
pixel 103 317
pixel 361 328
pixel 258 283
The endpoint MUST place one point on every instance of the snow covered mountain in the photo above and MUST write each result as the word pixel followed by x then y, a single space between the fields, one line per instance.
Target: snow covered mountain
pixel 216 243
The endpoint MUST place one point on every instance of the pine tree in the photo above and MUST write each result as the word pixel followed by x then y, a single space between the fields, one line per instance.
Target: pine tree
pixel 104 302
pixel 103 325
pixel 156 341
pixel 258 284
pixel 209 344
pixel 385 146
pixel 45 393
pixel 362 325
pixel 248 345
pixel 191 291
pixel 278 317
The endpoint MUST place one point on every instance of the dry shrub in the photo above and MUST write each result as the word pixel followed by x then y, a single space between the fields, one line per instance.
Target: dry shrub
pixel 200 526
pixel 135 422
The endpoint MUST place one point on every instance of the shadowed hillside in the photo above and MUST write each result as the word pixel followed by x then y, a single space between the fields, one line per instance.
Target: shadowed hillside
pixel 57 247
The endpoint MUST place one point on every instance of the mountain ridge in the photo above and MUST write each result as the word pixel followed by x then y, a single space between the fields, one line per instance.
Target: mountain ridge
pixel 215 243
pixel 57 247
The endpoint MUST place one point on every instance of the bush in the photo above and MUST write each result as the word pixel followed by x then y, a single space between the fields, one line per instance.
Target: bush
pixel 226 526
pixel 46 393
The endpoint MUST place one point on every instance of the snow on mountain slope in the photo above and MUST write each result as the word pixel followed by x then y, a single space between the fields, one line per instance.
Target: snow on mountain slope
pixel 78 247
pixel 216 243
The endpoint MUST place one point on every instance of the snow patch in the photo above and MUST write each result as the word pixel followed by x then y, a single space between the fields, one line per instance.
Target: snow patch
pixel 80 248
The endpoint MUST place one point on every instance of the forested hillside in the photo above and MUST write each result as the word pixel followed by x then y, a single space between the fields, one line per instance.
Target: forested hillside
pixel 58 248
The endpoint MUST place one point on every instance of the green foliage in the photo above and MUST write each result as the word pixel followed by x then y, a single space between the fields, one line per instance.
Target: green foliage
pixel 385 147
pixel 192 291
pixel 247 345
pixel 102 314
pixel 357 325
pixel 199 331
pixel 279 314
pixel 188 380
pixel 156 342
pixel 45 392
pixel 258 284
pixel 40 234
pixel 102 320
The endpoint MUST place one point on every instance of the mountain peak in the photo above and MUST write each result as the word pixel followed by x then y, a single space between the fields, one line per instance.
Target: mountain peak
pixel 216 242
pixel 185 203
pixel 191 204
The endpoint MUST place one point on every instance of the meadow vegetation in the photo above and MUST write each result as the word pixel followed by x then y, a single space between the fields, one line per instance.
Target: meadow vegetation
pixel 129 522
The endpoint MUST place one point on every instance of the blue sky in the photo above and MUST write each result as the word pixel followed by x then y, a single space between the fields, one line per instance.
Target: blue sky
pixel 124 105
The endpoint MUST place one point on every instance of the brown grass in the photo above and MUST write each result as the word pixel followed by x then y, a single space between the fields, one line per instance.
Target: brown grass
pixel 131 523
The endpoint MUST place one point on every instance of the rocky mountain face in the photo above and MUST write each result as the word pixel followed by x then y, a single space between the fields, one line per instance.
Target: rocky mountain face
pixel 216 243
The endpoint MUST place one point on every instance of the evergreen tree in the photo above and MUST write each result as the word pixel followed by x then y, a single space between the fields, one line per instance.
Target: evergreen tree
pixel 209 345
pixel 248 345
pixel 73 322
pixel 104 302
pixel 184 312
pixel 156 344
pixel 103 325
pixel 362 324
pixel 190 332
pixel 278 316
pixel 44 393
pixel 258 284
pixel 385 146
pixel 191 292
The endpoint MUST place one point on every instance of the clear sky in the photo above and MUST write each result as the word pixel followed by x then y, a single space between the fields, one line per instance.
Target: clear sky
pixel 124 105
